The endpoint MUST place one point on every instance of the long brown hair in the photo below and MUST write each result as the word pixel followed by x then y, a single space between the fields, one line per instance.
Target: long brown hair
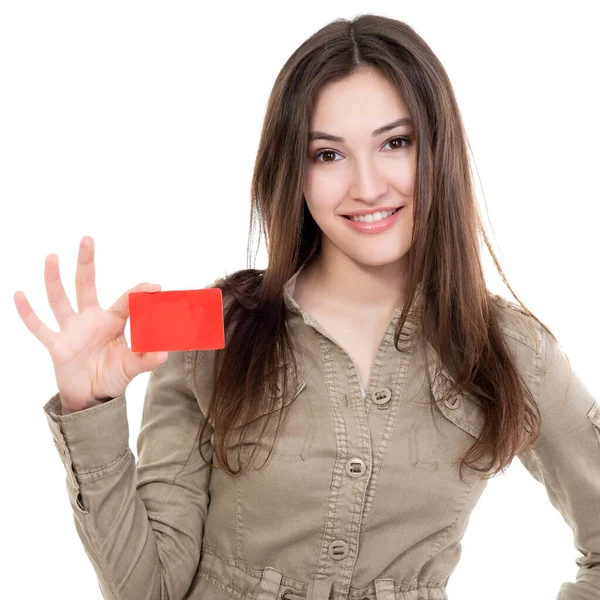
pixel 444 262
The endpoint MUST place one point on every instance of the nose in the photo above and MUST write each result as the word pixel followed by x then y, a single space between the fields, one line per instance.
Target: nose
pixel 368 183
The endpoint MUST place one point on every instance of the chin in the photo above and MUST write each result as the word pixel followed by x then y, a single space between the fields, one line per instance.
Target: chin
pixel 372 260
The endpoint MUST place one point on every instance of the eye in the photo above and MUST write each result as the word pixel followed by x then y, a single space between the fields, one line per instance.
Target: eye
pixel 406 141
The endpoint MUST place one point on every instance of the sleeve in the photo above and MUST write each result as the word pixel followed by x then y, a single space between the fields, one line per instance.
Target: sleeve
pixel 141 525
pixel 566 460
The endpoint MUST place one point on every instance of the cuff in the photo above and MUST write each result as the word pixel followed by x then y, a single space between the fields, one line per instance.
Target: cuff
pixel 89 441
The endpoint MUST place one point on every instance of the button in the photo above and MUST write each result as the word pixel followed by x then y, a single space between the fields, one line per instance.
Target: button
pixel 443 384
pixel 453 402
pixel 356 467
pixel 338 549
pixel 407 331
pixel 381 395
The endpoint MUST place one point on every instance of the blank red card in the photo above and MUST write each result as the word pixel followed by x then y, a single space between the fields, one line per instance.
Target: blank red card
pixel 176 320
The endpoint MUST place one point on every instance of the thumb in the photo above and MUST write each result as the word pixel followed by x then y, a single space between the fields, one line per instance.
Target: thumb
pixel 121 305
pixel 148 361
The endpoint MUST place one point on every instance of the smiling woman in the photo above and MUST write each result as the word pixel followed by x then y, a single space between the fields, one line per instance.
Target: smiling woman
pixel 398 383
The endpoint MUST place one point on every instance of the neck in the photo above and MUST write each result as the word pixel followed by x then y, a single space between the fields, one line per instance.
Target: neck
pixel 344 285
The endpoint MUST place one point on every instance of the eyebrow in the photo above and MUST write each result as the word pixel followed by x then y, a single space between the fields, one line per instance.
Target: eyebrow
pixel 319 135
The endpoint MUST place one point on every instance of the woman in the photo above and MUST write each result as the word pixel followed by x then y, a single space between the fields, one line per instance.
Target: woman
pixel 397 383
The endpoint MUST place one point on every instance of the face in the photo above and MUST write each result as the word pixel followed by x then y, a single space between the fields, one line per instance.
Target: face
pixel 364 172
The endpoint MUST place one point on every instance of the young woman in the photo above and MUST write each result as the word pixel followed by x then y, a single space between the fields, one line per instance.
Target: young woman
pixel 370 384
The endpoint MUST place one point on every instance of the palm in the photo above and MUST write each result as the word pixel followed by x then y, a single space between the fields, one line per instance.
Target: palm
pixel 93 349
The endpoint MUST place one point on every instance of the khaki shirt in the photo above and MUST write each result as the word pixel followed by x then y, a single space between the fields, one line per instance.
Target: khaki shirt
pixel 361 497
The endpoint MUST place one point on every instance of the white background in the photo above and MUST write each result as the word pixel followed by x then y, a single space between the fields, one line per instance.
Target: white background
pixel 137 123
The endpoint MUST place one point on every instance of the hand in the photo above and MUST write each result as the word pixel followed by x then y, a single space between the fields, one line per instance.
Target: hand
pixel 92 361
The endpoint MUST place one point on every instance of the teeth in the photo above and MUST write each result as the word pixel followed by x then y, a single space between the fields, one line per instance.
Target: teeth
pixel 377 216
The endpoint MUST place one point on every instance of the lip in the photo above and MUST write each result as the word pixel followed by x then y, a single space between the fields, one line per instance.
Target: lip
pixel 357 213
pixel 375 227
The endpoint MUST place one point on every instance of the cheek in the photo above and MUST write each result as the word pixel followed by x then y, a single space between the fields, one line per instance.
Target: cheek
pixel 323 201
pixel 323 212
pixel 409 216
pixel 324 180
pixel 324 194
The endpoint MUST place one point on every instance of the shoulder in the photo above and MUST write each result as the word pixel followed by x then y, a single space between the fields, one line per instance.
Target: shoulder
pixel 517 324
pixel 526 339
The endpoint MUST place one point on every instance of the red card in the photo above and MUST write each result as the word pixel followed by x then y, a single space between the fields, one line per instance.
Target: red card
pixel 176 320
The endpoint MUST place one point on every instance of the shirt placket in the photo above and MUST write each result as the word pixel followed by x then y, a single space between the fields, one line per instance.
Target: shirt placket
pixel 350 492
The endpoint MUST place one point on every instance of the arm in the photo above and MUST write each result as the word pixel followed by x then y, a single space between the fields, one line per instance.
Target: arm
pixel 141 526
pixel 566 460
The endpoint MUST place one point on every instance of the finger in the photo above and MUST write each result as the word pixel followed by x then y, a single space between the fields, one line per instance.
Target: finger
pixel 148 361
pixel 55 292
pixel 41 331
pixel 121 305
pixel 85 276
pixel 140 362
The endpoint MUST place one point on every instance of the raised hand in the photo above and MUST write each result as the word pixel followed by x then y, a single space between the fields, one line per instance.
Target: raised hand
pixel 92 360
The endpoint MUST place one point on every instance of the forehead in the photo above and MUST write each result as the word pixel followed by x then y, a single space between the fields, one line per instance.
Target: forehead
pixel 362 101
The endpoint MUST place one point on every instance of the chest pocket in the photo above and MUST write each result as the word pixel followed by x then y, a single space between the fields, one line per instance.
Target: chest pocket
pixel 445 429
pixel 294 438
pixel 462 409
